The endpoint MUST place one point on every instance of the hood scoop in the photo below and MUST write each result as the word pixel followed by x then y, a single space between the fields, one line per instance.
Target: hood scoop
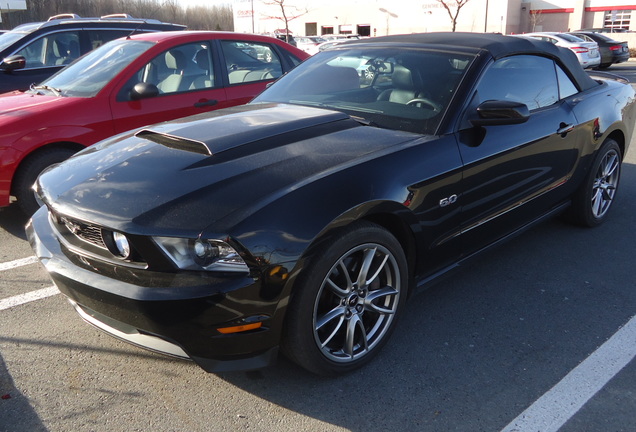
pixel 219 131
pixel 175 142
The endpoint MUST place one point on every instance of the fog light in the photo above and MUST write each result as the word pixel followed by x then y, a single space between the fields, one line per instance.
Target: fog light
pixel 121 244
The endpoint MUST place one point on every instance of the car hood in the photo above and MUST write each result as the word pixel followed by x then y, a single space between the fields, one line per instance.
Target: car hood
pixel 16 104
pixel 216 168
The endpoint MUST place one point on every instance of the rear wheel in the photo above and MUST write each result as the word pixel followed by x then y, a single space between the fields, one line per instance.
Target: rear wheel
pixel 29 172
pixel 592 202
pixel 347 302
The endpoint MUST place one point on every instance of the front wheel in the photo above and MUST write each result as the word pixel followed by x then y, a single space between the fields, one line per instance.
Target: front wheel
pixel 29 172
pixel 592 202
pixel 347 302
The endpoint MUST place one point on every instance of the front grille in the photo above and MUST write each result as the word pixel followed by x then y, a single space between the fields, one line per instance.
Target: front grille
pixel 84 231
pixel 86 239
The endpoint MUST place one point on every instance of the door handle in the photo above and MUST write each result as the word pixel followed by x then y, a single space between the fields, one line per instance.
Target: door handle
pixel 565 129
pixel 206 102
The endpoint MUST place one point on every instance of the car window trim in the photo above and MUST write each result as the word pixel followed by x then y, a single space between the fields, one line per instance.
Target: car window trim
pixel 226 72
pixel 83 37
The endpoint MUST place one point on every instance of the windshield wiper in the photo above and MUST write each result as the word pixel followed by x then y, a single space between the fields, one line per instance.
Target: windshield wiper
pixel 55 91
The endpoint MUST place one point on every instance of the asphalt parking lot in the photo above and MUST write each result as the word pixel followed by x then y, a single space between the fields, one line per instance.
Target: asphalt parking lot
pixel 537 335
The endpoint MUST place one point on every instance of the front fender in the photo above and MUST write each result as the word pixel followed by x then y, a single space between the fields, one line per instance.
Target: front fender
pixel 44 136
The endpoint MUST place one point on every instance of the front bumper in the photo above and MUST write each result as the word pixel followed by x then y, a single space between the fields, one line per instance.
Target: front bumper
pixel 177 314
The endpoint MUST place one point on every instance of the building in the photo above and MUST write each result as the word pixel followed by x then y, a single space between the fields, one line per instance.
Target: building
pixel 11 6
pixel 383 17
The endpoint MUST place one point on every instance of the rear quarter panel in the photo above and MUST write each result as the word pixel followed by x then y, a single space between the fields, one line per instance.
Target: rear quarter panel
pixel 607 111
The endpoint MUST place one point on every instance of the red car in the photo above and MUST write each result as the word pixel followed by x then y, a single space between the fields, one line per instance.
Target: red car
pixel 125 84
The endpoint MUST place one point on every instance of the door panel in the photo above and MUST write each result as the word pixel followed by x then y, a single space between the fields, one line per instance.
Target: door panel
pixel 133 114
pixel 515 173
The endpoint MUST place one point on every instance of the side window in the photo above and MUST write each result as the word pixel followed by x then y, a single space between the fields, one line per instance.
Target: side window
pixel 250 61
pixel 98 38
pixel 180 69
pixel 527 79
pixel 52 50
pixel 566 86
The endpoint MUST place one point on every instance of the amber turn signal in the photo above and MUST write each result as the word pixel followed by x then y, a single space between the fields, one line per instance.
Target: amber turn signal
pixel 240 328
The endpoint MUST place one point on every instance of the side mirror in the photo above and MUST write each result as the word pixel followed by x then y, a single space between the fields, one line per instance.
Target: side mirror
pixel 496 112
pixel 143 90
pixel 12 63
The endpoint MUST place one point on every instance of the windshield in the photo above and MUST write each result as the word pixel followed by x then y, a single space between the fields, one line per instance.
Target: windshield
pixel 8 38
pixel 604 37
pixel 89 74
pixel 570 38
pixel 405 89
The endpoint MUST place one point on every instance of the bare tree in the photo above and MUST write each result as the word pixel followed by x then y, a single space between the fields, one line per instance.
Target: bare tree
pixel 535 19
pixel 196 18
pixel 288 13
pixel 453 7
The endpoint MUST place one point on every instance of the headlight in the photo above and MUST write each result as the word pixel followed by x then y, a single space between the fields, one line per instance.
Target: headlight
pixel 202 254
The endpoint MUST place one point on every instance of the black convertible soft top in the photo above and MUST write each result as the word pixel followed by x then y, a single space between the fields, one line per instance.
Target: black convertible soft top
pixel 497 46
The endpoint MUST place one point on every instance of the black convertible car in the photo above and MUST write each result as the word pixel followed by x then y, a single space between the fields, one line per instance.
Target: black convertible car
pixel 305 219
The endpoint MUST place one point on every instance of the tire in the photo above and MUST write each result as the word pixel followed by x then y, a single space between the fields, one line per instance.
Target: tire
pixel 29 172
pixel 339 320
pixel 592 201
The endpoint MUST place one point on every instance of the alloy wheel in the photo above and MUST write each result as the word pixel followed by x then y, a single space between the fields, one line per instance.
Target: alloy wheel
pixel 605 183
pixel 356 303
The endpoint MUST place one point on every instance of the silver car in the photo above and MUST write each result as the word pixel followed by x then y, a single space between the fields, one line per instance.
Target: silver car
pixel 587 52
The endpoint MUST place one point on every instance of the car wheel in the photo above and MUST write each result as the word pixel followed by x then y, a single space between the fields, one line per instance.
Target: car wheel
pixel 347 301
pixel 592 202
pixel 29 172
pixel 604 66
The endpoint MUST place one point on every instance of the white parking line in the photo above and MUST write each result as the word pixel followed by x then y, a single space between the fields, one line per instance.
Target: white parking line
pixel 18 263
pixel 565 399
pixel 28 297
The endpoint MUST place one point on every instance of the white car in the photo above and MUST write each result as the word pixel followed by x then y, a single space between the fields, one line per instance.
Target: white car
pixel 332 40
pixel 587 52
pixel 309 44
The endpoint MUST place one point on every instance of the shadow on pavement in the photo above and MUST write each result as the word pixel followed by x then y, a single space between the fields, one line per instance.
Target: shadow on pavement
pixel 16 413
pixel 13 221
pixel 474 351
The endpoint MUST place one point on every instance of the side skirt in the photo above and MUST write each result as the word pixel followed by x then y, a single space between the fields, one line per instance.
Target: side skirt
pixel 429 281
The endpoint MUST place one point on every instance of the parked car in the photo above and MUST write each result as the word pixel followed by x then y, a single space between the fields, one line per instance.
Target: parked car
pixel 332 40
pixel 309 44
pixel 305 218
pixel 125 84
pixel 326 45
pixel 611 50
pixel 330 37
pixel 32 52
pixel 285 38
pixel 587 52
pixel 604 30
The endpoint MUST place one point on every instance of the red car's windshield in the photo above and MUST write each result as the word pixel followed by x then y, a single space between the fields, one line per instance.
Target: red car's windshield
pixel 90 73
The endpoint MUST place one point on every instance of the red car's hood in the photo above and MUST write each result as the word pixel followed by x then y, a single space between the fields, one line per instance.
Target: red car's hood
pixel 19 103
